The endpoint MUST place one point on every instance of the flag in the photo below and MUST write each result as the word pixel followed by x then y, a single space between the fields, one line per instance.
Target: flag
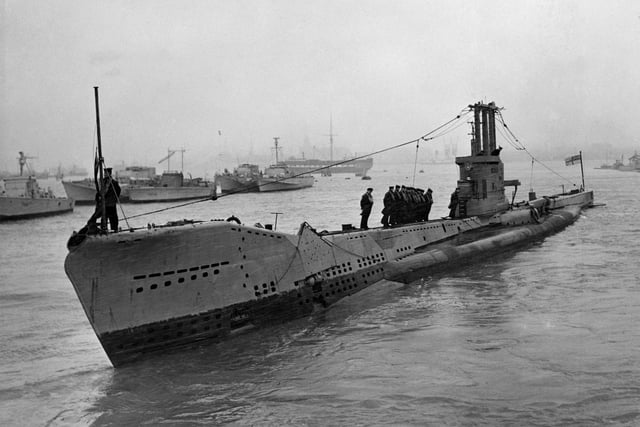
pixel 96 168
pixel 572 160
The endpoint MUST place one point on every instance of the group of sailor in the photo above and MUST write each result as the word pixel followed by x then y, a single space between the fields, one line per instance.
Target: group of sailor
pixel 403 205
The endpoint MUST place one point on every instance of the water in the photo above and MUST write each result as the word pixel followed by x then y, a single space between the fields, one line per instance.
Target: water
pixel 546 335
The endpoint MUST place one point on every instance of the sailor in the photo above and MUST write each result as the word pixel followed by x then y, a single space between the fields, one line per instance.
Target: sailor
pixel 387 201
pixel 395 207
pixel 420 204
pixel 111 196
pixel 453 203
pixel 366 204
pixel 412 203
pixel 403 205
pixel 428 196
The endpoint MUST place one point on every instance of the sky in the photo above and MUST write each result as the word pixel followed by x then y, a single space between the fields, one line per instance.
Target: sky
pixel 220 79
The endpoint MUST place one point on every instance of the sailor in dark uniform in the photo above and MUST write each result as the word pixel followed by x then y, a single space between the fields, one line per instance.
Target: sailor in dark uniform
pixel 403 205
pixel 111 195
pixel 366 204
pixel 428 196
pixel 395 206
pixel 420 204
pixel 453 203
pixel 388 206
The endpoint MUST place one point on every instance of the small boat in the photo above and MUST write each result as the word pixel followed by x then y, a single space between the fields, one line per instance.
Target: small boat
pixel 328 167
pixel 22 197
pixel 171 186
pixel 244 178
pixel 632 166
pixel 278 177
pixel 184 282
pixel 83 191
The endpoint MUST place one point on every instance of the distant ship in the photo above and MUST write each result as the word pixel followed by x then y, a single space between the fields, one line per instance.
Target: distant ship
pixel 243 178
pixel 359 167
pixel 187 281
pixel 279 177
pixel 171 186
pixel 83 191
pixel 632 166
pixel 22 197
pixel 140 184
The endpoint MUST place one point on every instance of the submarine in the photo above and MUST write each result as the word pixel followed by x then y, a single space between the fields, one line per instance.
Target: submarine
pixel 151 289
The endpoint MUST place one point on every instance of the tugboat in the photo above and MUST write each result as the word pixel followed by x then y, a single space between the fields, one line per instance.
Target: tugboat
pixel 278 177
pixel 329 167
pixel 188 281
pixel 244 178
pixel 357 166
pixel 22 197
pixel 171 186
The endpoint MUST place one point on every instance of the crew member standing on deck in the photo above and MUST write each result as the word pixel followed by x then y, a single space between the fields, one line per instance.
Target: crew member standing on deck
pixel 366 204
pixel 453 204
pixel 387 201
pixel 428 197
pixel 395 207
pixel 111 195
pixel 403 206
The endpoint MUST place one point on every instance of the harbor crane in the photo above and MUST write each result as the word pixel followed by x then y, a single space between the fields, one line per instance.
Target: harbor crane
pixel 168 158
pixel 22 160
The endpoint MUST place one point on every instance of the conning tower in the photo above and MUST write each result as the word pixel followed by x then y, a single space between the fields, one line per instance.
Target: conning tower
pixel 481 181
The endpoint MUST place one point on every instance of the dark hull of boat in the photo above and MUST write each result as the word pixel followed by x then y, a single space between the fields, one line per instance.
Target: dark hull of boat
pixel 288 184
pixel 477 244
pixel 328 167
pixel 233 184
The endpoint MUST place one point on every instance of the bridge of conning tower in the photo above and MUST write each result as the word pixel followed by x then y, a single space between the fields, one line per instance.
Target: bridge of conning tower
pixel 481 181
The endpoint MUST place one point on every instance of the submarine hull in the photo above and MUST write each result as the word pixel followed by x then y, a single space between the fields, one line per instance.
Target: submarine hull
pixel 490 242
pixel 153 290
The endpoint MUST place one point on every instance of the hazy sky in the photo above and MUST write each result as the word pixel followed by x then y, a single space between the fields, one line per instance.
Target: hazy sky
pixel 222 78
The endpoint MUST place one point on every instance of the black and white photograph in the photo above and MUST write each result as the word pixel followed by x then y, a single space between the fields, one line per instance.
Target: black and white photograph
pixel 319 213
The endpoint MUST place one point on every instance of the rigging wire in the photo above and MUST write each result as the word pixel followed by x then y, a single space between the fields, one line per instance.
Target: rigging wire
pixel 516 141
pixel 415 163
pixel 509 139
pixel 523 148
pixel 444 132
pixel 439 131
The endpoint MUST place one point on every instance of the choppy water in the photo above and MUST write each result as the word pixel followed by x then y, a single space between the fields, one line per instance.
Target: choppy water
pixel 547 335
